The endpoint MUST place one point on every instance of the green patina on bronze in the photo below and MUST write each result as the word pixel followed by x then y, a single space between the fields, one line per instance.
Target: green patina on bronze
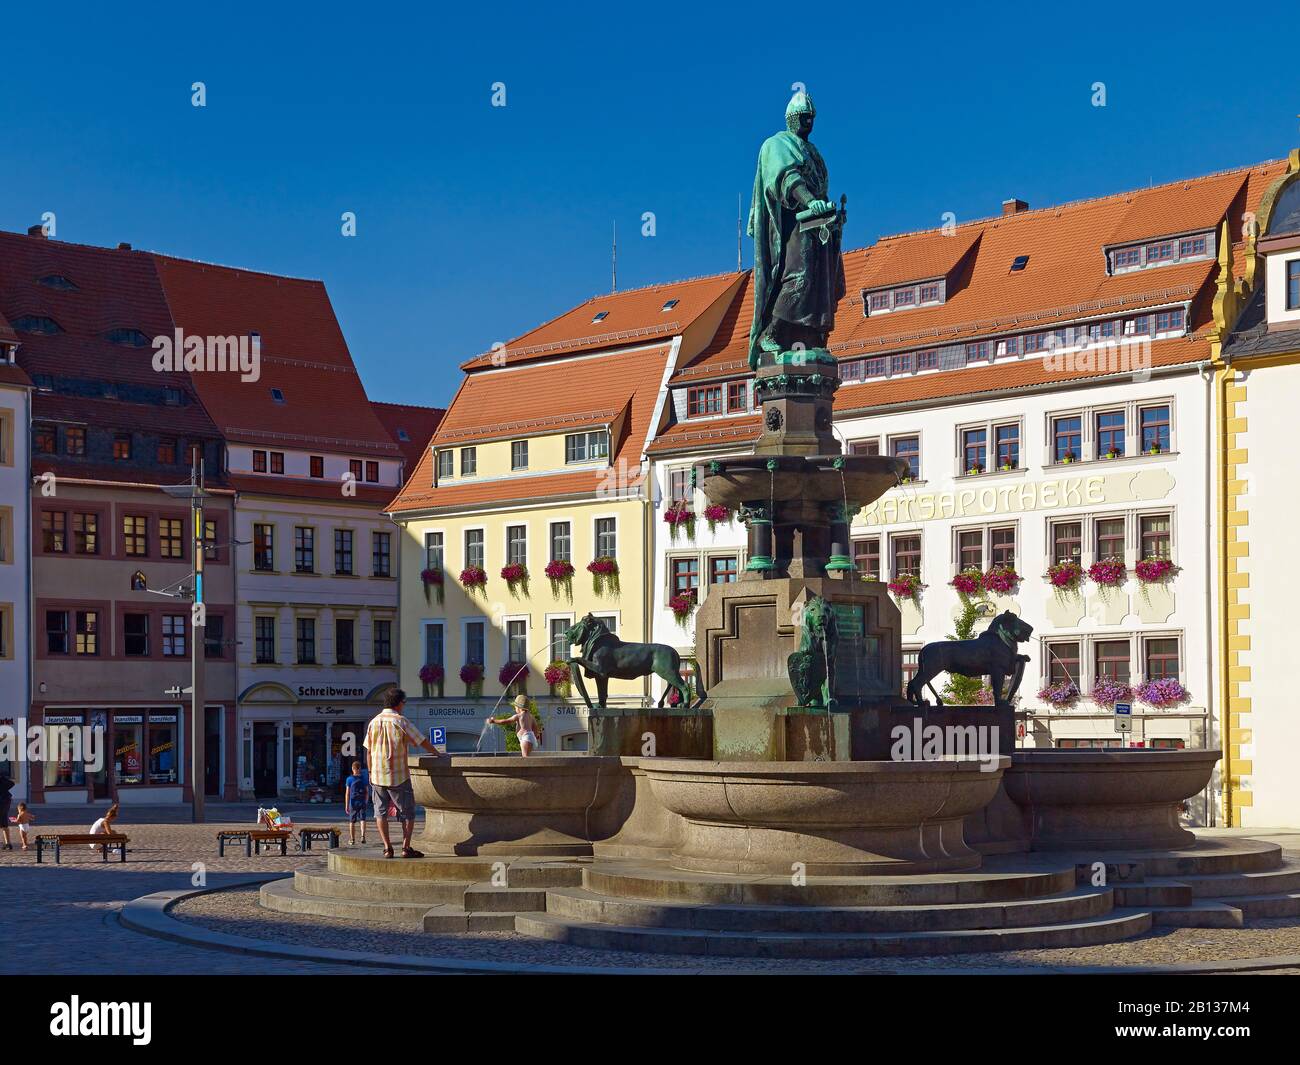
pixel 812 667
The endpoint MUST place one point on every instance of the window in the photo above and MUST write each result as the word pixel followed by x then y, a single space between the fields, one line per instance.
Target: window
pixel 122 447
pixel 1169 321
pixel 606 538
pixel 173 635
pixel 304 549
pixel 930 294
pixel 978 351
pixel 866 558
pixel 703 399
pixel 865 447
pixel 306 641
pixel 475 643
pixel 600 316
pixel 1019 262
pixel 517 641
pixel 900 364
pixel 74 440
pixel 85 534
pixel 277 395
pixel 1067 541
pixel 372 472
pixel 264 629
pixel 355 468
pixel 214 637
pixel 586 447
pixel 1002 546
pixel 1293 285
pixel 433 550
pixel 1110 434
pixel 166 453
pixel 171 538
pixel 907 555
pixel 1006 439
pixel 970 549
pixel 685 575
pixel 1035 342
pixel 135 630
pixel 1110 538
pixel 559 641
pixel 45 439
pixel 974 450
pixel 474 548
pixel 904 297
pixel 264 547
pixel 32 323
pixel 519 454
pixel 879 301
pixel 1067 438
pixel 679 482
pixel 468 461
pixel 135 536
pixel 1161 658
pixel 87 632
pixel 1063 663
pixel 433 644
pixel 1154 534
pixel 724 569
pixel 669 305
pixel 259 461
pixel 54 532
pixel 343 552
pixel 383 642
pixel 910 664
pixel 561 542
pixel 211 549
pixel 344 646
pixel 446 464
pixel 318 465
pixel 1154 423
pixel 381 554
pixel 517 545
pixel 56 632
pixel 1126 257
pixel 1111 660
pixel 1159 253
pixel 737 396
pixel 277 462
pixel 909 448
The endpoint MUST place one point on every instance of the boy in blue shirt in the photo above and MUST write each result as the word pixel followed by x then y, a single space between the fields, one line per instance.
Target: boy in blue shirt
pixel 356 797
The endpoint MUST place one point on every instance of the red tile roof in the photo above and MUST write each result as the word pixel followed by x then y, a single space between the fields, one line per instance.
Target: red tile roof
pixel 418 423
pixel 277 487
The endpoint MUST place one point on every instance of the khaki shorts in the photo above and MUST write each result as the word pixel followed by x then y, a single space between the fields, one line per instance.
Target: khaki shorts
pixel 399 795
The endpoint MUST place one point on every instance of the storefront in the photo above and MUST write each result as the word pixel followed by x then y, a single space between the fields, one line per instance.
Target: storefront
pixel 117 754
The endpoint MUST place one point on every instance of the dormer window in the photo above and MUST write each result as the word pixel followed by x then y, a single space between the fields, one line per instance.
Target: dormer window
pixel 1160 252
pixel 903 297
pixel 37 325
pixel 131 338
pixel 57 281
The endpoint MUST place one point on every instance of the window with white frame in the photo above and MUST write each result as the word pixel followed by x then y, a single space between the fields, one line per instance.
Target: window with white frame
pixel 985 547
pixel 517 545
pixel 519 454
pixel 434 645
pixel 433 550
pixel 561 542
pixel 606 538
pixel 474 548
pixel 1111 431
pixel 446 464
pixel 586 447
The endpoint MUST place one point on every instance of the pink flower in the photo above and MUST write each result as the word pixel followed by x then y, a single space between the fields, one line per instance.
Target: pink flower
pixel 431 674
pixel 1001 580
pixel 559 571
pixel 431 576
pixel 557 673
pixel 1062 694
pixel 514 573
pixel 1108 572
pixel 683 604
pixel 1154 570
pixel 1065 574
pixel 603 566
pixel 906 586
pixel 1162 693
pixel 715 513
pixel 968 582
pixel 1108 691
pixel 513 673
pixel 679 514
pixel 471 673
pixel 473 577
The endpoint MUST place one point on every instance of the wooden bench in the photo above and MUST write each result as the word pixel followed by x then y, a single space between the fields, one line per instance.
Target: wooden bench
pixel 253 837
pixel 110 841
pixel 307 835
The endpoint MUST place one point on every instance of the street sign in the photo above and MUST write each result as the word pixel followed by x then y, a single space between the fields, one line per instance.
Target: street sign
pixel 1123 717
pixel 438 737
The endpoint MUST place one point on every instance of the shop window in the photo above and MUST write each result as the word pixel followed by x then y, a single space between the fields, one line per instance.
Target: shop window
pixel 162 749
pixel 128 749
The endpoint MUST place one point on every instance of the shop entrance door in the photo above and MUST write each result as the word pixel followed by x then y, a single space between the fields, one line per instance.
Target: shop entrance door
pixel 212 752
pixel 266 783
pixel 101 781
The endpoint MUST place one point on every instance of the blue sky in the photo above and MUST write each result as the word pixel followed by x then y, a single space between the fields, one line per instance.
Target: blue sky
pixel 476 222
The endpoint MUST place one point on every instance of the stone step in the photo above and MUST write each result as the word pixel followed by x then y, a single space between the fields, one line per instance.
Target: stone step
pixel 658 881
pixel 1155 893
pixel 484 898
pixel 1108 928
pixel 579 904
pixel 322 882
pixel 519 872
pixel 1202 914
pixel 452 918
pixel 1230 885
pixel 281 896
pixel 1208 855
pixel 1259 907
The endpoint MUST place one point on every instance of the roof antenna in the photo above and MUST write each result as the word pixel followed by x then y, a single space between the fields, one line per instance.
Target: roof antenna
pixel 613 266
pixel 739 245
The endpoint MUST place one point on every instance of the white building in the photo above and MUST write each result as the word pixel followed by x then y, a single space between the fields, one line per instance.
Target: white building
pixel 15 549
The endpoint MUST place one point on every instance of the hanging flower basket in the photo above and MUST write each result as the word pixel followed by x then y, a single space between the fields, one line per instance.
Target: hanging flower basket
pixel 716 514
pixel 432 579
pixel 906 586
pixel 560 574
pixel 1107 692
pixel 1060 695
pixel 471 675
pixel 559 677
pixel 1155 570
pixel 1108 573
pixel 516 577
pixel 604 575
pixel 679 516
pixel 1162 694
pixel 1002 580
pixel 431 677
pixel 514 674
pixel 1065 577
pixel 967 583
pixel 473 578
pixel 682 605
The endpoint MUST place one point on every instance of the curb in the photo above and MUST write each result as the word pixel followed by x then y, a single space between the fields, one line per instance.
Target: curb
pixel 150 916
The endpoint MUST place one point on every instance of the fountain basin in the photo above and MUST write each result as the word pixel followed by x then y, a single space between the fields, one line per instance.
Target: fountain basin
pixel 1107 800
pixel 796 479
pixel 832 818
pixel 545 806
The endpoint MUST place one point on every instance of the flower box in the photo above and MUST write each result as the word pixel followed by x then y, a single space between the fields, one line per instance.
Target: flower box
pixel 432 580
pixel 682 605
pixel 1065 576
pixel 679 516
pixel 1162 694
pixel 1107 692
pixel 471 675
pixel 516 577
pixel 1002 580
pixel 560 574
pixel 906 586
pixel 1154 570
pixel 1108 572
pixel 431 676
pixel 559 677
pixel 968 582
pixel 604 575
pixel 513 674
pixel 473 578
pixel 716 514
pixel 1061 695
pixel 974 470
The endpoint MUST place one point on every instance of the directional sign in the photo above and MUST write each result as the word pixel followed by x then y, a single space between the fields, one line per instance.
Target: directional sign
pixel 438 737
pixel 1123 717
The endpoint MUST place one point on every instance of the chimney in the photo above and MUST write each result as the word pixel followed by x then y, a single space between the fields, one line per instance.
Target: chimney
pixel 1013 206
pixel 124 246
pixel 36 231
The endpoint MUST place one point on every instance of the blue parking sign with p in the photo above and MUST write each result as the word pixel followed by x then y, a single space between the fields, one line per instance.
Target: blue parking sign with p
pixel 438 737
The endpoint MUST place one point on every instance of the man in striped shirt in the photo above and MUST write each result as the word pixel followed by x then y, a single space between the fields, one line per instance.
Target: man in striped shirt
pixel 388 737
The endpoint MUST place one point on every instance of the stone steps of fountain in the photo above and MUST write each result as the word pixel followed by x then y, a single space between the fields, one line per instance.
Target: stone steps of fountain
pixel 282 896
pixel 1107 928
pixel 1199 914
pixel 588 907
pixel 1208 856
pixel 660 881
pixel 328 884
pixel 1161 893
pixel 519 872
pixel 1259 907
pixel 1230 885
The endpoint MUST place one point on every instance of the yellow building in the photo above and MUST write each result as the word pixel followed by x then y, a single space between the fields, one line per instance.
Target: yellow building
pixel 1258 384
pixel 539 461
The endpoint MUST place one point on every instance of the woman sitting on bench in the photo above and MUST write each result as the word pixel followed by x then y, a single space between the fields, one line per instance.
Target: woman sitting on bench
pixel 104 826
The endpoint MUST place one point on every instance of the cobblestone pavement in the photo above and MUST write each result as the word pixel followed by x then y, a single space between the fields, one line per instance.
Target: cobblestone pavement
pixel 60 919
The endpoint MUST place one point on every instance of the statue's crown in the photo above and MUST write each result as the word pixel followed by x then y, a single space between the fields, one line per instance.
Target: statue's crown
pixel 800 104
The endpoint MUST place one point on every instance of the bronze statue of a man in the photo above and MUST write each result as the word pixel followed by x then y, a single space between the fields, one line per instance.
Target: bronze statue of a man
pixel 798 273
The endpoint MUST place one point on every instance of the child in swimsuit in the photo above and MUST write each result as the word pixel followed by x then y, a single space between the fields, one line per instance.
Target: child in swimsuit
pixel 526 727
